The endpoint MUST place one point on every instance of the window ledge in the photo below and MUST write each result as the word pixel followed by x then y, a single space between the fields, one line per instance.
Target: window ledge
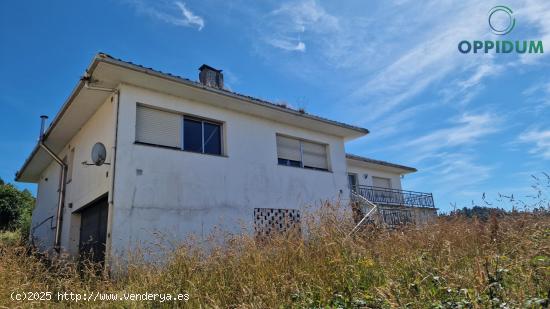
pixel 306 169
pixel 179 149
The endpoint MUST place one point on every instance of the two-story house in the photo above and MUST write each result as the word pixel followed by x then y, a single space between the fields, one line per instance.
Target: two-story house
pixel 135 153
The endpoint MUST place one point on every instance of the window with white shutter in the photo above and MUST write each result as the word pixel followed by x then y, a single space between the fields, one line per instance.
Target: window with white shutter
pixel 314 155
pixel 288 151
pixel 381 182
pixel 299 153
pixel 158 127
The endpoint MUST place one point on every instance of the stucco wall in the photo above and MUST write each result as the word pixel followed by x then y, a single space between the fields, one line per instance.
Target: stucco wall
pixel 44 214
pixel 361 171
pixel 172 194
pixel 87 183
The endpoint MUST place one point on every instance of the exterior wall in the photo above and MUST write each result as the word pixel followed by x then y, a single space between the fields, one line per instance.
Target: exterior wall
pixel 173 194
pixel 44 214
pixel 361 171
pixel 87 183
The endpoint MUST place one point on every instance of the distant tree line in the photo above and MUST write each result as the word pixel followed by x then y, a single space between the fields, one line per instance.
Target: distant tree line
pixel 484 212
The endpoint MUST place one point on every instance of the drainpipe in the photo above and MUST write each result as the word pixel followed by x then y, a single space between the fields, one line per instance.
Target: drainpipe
pixel 61 199
pixel 111 201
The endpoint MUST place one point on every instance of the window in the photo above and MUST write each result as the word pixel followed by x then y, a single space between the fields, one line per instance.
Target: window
pixel 212 138
pixel 288 151
pixel 70 165
pixel 352 181
pixel 62 174
pixel 192 135
pixel 300 153
pixel 201 136
pixel 161 128
pixel 381 182
pixel 158 127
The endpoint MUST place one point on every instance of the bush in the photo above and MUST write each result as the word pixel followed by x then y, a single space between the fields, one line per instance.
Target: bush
pixel 15 208
pixel 10 238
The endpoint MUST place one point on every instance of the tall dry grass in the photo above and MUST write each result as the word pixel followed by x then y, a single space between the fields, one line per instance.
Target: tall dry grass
pixel 454 262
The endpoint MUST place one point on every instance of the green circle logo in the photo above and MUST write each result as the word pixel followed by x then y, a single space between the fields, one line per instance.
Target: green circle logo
pixel 501 20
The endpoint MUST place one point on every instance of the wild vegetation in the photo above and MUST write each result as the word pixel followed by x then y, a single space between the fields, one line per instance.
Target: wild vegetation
pixel 502 260
pixel 457 262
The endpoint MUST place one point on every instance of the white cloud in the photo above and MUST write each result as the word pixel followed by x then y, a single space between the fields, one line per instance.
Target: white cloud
pixel 286 25
pixel 429 58
pixel 537 13
pixel 538 95
pixel 189 18
pixel 457 171
pixel 467 129
pixel 446 155
pixel 540 140
pixel 397 51
pixel 162 11
pixel 288 45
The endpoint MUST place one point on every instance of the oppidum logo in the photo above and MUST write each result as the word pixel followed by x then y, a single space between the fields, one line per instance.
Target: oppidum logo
pixel 501 22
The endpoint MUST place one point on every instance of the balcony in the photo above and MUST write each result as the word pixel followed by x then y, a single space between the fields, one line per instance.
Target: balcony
pixel 384 196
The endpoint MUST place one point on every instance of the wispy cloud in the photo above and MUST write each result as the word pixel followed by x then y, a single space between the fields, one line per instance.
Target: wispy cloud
pixel 430 58
pixel 189 18
pixel 447 156
pixel 390 59
pixel 466 130
pixel 456 171
pixel 287 25
pixel 287 44
pixel 163 11
pixel 540 141
pixel 536 13
pixel 538 95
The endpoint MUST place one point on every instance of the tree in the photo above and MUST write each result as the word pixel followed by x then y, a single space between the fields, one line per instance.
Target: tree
pixel 15 208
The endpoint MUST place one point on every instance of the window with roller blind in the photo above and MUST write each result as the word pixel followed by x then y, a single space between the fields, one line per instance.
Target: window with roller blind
pixel 300 153
pixel 173 130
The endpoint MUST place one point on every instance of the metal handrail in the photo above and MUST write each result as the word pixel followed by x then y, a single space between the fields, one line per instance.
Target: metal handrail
pixel 372 210
pixel 387 196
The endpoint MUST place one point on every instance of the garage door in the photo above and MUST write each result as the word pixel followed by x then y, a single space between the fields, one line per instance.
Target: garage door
pixel 93 231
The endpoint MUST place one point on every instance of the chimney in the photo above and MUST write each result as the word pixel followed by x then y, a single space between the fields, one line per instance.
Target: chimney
pixel 43 119
pixel 211 77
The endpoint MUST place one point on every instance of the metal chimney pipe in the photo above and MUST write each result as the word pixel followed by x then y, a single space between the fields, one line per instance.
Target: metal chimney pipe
pixel 43 119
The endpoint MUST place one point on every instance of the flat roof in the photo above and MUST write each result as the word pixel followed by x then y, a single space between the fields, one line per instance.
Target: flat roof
pixel 380 162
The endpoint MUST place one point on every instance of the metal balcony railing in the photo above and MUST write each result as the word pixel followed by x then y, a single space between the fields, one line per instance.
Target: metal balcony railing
pixel 384 196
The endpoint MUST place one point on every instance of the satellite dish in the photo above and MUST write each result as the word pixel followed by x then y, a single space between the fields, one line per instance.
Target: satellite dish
pixel 99 154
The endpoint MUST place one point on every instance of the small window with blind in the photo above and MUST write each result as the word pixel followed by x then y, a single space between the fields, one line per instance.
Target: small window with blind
pixel 172 130
pixel 70 166
pixel 300 153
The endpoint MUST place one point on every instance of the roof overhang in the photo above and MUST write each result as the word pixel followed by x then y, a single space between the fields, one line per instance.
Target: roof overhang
pixel 108 72
pixel 379 165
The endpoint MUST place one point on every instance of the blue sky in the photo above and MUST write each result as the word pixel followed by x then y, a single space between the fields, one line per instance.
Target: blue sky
pixel 471 123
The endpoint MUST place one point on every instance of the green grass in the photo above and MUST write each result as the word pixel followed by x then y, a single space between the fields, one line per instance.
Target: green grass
pixel 452 263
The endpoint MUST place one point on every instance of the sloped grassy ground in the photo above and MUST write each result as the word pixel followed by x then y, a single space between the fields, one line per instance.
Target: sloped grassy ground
pixel 453 263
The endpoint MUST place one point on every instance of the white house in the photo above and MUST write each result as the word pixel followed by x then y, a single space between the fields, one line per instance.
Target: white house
pixel 183 157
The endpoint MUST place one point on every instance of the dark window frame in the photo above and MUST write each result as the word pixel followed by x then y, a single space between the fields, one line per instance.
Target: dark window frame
pixel 203 145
